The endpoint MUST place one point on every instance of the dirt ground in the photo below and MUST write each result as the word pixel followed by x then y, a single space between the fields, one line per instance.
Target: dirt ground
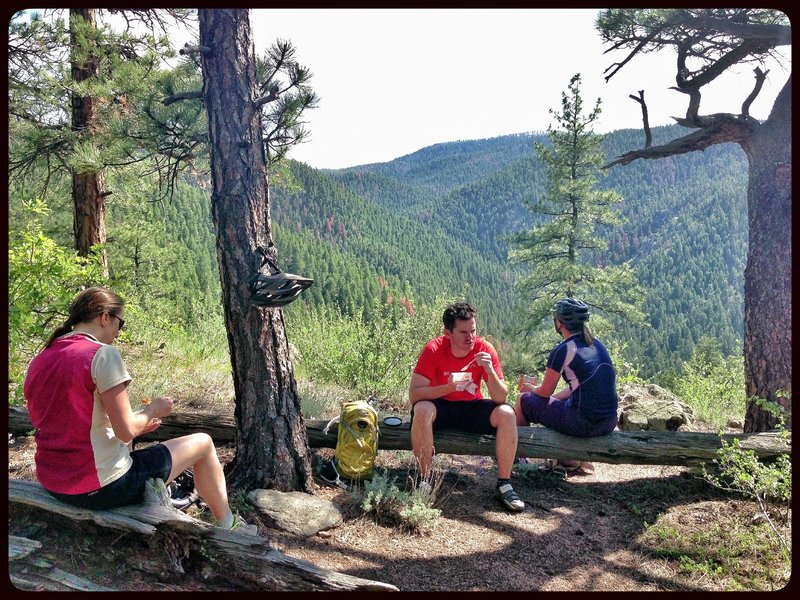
pixel 579 533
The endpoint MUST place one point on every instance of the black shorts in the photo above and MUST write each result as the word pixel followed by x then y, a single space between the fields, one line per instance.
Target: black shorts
pixel 471 416
pixel 152 462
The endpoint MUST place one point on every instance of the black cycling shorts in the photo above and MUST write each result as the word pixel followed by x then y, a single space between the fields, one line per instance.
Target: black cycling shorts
pixel 471 416
pixel 152 462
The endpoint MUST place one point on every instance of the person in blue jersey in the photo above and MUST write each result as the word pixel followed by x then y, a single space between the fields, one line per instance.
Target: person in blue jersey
pixel 587 406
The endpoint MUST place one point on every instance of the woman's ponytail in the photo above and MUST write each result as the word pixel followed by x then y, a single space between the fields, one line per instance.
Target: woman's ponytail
pixel 87 305
pixel 587 335
pixel 62 329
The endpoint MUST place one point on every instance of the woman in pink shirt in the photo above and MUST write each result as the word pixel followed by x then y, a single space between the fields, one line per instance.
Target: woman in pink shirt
pixel 76 390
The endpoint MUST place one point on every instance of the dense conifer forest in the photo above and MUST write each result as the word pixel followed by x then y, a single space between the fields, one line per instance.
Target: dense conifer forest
pixel 434 224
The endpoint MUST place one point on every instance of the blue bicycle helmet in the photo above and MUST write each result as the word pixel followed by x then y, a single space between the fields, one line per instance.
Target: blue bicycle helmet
pixel 571 312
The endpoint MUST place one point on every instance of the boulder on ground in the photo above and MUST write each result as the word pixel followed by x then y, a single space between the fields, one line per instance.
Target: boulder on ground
pixel 652 408
pixel 296 512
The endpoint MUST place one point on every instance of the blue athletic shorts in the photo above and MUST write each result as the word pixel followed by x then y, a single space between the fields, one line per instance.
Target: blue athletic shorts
pixel 152 462
pixel 561 416
pixel 471 416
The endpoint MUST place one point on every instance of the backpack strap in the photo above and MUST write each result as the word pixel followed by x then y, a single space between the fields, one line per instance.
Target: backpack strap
pixel 328 426
pixel 353 433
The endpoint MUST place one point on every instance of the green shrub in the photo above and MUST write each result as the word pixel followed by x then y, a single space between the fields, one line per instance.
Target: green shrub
pixel 43 279
pixel 712 384
pixel 390 505
pixel 372 358
pixel 768 484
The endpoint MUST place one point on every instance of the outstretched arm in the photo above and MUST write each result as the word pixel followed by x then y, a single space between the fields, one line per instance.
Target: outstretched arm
pixel 127 424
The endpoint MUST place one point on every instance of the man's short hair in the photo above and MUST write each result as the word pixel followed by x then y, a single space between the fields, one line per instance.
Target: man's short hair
pixel 461 311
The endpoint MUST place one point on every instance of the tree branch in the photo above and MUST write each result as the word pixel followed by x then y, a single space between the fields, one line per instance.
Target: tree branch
pixel 775 35
pixel 760 77
pixel 273 95
pixel 182 96
pixel 723 128
pixel 648 136
pixel 630 56
pixel 187 49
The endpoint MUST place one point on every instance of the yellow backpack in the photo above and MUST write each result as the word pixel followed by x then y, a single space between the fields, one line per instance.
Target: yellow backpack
pixel 357 440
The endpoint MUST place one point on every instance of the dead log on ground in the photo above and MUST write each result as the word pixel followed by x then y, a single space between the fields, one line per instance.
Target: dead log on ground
pixel 248 561
pixel 38 574
pixel 619 447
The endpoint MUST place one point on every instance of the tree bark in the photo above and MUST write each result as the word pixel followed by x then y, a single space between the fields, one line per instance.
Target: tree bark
pixel 768 274
pixel 271 443
pixel 88 187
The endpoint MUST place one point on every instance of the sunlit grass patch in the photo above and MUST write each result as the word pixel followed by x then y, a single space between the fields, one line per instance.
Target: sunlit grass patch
pixel 721 542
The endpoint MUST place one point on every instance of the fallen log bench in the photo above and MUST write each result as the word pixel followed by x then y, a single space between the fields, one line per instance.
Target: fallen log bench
pixel 620 447
pixel 247 561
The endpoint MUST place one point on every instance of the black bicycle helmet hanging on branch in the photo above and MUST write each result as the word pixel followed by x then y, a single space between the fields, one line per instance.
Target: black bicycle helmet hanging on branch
pixel 277 289
pixel 571 312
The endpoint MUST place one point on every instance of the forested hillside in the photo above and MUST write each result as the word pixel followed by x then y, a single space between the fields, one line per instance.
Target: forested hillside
pixel 433 225
pixel 417 259
pixel 404 231
pixel 685 229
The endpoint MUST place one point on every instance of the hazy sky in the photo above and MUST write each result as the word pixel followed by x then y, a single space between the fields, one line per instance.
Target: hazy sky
pixel 392 81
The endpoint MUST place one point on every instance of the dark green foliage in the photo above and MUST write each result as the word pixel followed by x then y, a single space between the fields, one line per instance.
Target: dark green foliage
pixel 684 233
pixel 562 254
pixel 408 257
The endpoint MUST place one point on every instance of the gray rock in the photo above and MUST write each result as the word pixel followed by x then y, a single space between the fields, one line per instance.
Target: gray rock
pixel 296 512
pixel 737 424
pixel 652 408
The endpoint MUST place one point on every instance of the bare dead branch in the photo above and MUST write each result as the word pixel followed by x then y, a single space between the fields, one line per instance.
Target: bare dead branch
pixel 161 19
pixel 724 128
pixel 634 52
pixel 187 49
pixel 648 136
pixel 273 95
pixel 760 77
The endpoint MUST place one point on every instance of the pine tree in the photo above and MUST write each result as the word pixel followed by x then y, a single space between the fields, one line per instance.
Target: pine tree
pixel 708 42
pixel 563 250
pixel 71 88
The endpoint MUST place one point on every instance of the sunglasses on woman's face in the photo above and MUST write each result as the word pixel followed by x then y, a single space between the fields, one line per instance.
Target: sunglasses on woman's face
pixel 121 321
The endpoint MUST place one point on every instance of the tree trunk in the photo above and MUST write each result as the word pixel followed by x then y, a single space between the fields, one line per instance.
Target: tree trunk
pixel 87 187
pixel 768 275
pixel 271 443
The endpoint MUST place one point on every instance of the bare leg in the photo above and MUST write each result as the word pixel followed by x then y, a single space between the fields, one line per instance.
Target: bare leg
pixel 422 435
pixel 197 450
pixel 521 420
pixel 506 438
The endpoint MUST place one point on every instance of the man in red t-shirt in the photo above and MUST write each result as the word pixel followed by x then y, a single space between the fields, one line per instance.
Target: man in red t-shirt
pixel 440 400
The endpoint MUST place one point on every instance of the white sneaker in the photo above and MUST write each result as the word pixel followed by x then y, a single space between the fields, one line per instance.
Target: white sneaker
pixel 241 526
